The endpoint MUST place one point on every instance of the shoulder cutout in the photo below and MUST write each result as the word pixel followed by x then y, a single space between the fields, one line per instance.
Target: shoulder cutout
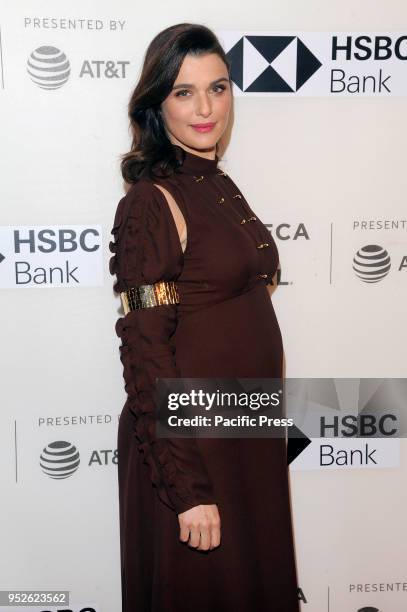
pixel 177 214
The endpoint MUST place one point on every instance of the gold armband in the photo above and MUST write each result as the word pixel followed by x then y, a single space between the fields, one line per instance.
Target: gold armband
pixel 146 296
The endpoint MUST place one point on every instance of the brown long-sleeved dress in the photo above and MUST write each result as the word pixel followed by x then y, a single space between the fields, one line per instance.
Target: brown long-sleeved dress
pixel 224 326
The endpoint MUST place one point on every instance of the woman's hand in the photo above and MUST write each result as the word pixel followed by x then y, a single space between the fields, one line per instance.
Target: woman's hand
pixel 201 526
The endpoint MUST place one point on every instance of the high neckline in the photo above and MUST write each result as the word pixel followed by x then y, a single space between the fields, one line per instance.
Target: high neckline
pixel 195 164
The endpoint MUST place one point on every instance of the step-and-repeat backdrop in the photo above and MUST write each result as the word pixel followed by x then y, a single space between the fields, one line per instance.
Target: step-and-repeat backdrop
pixel 318 149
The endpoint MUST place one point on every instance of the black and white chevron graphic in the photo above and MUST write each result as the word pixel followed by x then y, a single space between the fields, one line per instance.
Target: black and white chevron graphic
pixel 251 59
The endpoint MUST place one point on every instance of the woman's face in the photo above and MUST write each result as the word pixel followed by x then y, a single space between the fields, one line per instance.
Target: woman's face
pixel 201 94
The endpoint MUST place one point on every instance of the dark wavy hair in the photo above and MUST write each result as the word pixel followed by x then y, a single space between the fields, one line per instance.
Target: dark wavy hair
pixel 152 153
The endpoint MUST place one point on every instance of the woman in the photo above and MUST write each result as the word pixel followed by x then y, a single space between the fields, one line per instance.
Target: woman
pixel 205 523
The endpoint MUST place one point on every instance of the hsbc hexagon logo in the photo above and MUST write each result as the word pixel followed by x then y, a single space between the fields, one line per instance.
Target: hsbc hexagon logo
pixel 271 64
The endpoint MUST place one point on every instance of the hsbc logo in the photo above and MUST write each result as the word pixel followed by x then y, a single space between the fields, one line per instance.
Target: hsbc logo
pixel 271 63
pixel 51 256
pixel 316 63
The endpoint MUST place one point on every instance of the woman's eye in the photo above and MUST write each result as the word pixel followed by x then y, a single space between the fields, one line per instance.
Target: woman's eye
pixel 182 91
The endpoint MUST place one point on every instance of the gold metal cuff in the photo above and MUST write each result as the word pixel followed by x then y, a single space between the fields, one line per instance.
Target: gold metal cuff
pixel 146 296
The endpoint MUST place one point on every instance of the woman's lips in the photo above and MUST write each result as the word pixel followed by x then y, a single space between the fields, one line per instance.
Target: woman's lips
pixel 203 127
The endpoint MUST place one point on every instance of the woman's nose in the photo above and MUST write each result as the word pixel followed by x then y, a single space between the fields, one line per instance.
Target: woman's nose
pixel 203 105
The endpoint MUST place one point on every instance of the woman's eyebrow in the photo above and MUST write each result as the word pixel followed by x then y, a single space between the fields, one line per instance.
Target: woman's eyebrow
pixel 192 85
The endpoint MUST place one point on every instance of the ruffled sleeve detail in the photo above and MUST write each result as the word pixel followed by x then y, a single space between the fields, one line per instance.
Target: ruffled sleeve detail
pixel 146 250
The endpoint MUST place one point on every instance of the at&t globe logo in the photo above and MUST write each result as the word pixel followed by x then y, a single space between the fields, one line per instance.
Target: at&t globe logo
pixel 371 263
pixel 48 67
pixel 59 459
